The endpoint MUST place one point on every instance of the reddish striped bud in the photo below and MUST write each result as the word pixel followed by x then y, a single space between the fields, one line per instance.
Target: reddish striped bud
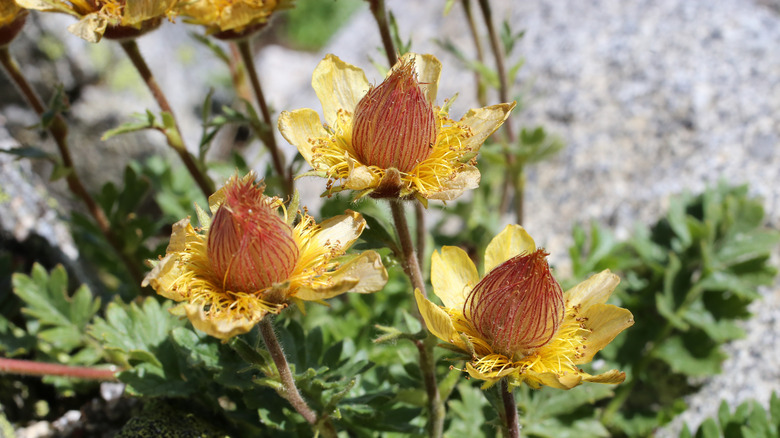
pixel 394 124
pixel 249 246
pixel 518 306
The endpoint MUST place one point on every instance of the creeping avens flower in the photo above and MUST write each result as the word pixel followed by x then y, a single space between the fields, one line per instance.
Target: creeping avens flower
pixel 516 322
pixel 115 19
pixel 230 19
pixel 390 140
pixel 12 18
pixel 248 260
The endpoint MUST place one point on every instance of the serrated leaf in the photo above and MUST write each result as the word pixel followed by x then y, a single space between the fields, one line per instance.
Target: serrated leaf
pixel 137 331
pixel 708 429
pixel 60 319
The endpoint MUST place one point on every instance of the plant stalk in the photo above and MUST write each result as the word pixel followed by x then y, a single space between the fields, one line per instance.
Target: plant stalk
pixel 411 267
pixel 481 95
pixel 511 176
pixel 380 15
pixel 511 422
pixel 59 131
pixel 267 136
pixel 291 393
pixel 174 141
pixel 33 368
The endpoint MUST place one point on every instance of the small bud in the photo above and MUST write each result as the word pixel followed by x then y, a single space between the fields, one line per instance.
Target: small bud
pixel 518 306
pixel 394 124
pixel 249 246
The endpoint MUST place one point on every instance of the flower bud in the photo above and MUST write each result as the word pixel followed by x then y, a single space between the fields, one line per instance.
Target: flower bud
pixel 518 306
pixel 394 124
pixel 249 246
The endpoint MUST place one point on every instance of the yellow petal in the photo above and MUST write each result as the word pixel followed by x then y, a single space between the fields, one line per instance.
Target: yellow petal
pixel 162 277
pixel 453 275
pixel 363 274
pixel 300 128
pixel 436 320
pixel 511 241
pixel 46 5
pixel 221 327
pixel 338 86
pixel 428 70
pixel 565 380
pixel 484 122
pixel 360 177
pixel 596 289
pixel 611 377
pixel 490 378
pixel 466 179
pixel 341 231
pixel 605 321
pixel 141 10
pixel 179 236
pixel 90 28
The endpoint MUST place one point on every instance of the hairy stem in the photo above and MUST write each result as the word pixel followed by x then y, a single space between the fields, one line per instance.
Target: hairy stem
pixel 59 131
pixel 175 140
pixel 291 392
pixel 380 15
pixel 419 218
pixel 481 95
pixel 267 135
pixel 411 267
pixel 511 176
pixel 511 422
pixel 33 368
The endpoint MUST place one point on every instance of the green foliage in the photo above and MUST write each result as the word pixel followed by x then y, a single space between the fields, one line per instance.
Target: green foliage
pixel 311 23
pixel 687 280
pixel 57 320
pixel 749 420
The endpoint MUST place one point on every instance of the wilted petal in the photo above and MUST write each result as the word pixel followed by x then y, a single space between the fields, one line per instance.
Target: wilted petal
pixel 338 86
pixel 90 28
pixel 340 232
pixel 484 122
pixel 428 70
pixel 222 326
pixel 363 274
pixel 610 377
pixel 300 128
pixel 465 179
pixel 512 241
pixel 453 275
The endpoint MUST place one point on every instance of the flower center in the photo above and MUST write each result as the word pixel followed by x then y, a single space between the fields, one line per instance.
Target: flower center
pixel 249 246
pixel 394 124
pixel 518 306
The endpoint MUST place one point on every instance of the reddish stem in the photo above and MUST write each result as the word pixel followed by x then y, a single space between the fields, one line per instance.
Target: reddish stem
pixel 33 368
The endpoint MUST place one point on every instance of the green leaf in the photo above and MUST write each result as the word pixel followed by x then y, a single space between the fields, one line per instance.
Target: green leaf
pixel 29 152
pixel 142 122
pixel 135 332
pixel 678 356
pixel 61 318
pixel 708 429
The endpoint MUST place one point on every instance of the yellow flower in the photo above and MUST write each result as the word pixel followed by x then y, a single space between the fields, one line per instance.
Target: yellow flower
pixel 390 140
pixel 12 19
pixel 516 322
pixel 247 261
pixel 230 18
pixel 115 19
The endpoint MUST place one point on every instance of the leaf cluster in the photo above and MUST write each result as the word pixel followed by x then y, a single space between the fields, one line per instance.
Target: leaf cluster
pixel 749 420
pixel 688 280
